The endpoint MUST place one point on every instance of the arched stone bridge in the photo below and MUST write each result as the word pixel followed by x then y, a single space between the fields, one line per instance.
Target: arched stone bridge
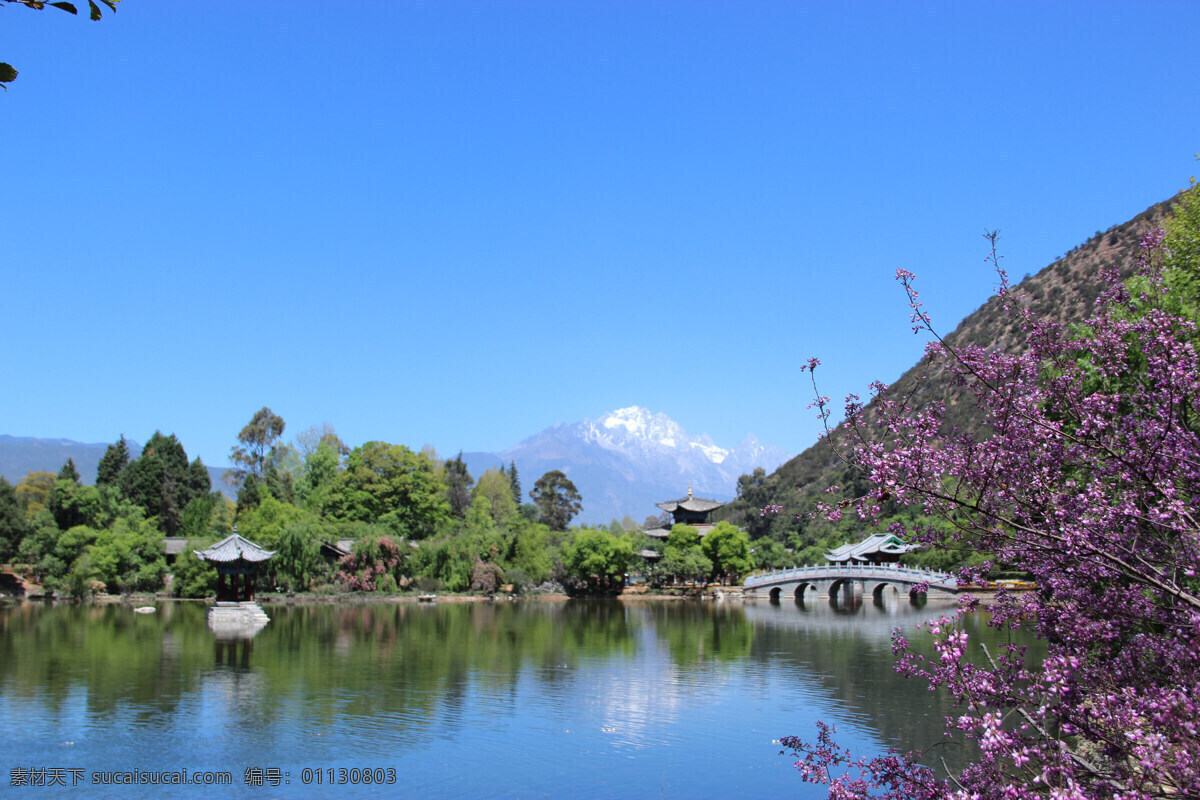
pixel 832 580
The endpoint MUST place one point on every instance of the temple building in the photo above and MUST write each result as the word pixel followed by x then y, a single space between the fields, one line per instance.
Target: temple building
pixel 238 562
pixel 694 511
pixel 878 548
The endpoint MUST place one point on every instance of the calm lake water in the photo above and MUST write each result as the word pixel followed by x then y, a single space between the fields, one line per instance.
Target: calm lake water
pixel 590 699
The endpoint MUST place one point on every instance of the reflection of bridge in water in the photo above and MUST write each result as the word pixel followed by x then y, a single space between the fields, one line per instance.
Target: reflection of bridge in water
pixel 845 582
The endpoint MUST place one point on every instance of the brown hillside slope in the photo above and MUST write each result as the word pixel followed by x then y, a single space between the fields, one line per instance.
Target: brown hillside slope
pixel 1065 291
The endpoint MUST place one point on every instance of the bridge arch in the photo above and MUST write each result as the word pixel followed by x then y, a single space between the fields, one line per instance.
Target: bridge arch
pixel 805 592
pixel 883 590
pixel 843 588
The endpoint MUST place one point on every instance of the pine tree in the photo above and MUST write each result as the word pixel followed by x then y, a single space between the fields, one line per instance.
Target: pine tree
pixel 458 485
pixel 515 481
pixel 69 472
pixel 115 458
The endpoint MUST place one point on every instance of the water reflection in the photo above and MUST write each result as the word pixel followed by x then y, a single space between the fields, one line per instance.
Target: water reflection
pixel 619 699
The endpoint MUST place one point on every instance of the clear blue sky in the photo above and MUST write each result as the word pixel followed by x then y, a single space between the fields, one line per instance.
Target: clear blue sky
pixel 457 223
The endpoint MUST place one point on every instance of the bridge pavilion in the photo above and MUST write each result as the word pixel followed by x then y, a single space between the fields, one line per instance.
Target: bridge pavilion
pixel 878 548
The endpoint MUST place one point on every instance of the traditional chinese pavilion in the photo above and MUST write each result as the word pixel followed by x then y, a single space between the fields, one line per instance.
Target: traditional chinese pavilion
pixel 238 562
pixel 878 548
pixel 694 511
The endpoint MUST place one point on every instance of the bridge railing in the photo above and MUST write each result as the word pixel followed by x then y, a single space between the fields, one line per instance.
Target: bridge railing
pixel 832 571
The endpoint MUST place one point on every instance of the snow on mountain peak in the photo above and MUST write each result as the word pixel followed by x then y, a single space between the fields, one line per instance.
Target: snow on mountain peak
pixel 626 460
pixel 635 426
pixel 633 419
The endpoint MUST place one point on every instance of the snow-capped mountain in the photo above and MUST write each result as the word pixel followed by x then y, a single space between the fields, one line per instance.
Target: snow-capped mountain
pixel 629 459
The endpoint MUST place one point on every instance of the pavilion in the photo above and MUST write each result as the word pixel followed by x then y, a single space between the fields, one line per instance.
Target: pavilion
pixel 238 562
pixel 878 548
pixel 693 511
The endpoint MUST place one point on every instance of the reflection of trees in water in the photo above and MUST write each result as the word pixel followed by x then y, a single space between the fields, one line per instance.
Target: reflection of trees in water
pixel 414 669
pixel 846 649
pixel 697 633
pixel 135 662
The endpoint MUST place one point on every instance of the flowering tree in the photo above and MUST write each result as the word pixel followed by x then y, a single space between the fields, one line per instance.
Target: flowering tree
pixel 376 564
pixel 1087 475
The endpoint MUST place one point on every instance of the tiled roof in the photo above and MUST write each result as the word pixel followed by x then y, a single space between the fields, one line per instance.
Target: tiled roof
pixel 689 504
pixel 875 543
pixel 234 548
pixel 702 528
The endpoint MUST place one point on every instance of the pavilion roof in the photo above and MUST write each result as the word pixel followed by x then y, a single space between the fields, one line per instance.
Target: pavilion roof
pixel 689 503
pixel 875 543
pixel 234 548
pixel 702 528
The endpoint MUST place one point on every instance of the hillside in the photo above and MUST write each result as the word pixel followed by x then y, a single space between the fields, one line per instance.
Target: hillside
pixel 1065 291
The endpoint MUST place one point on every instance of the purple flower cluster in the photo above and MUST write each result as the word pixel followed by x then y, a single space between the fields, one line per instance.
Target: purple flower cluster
pixel 1087 476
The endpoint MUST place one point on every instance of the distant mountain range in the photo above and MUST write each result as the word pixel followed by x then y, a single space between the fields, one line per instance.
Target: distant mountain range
pixel 623 463
pixel 22 454
pixel 628 460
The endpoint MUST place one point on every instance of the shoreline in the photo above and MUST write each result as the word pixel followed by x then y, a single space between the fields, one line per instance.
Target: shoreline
pixel 709 594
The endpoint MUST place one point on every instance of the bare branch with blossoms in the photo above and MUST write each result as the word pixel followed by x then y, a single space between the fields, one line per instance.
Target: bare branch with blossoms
pixel 1086 474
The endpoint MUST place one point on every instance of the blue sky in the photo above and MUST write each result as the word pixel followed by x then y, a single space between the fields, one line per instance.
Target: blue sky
pixel 457 223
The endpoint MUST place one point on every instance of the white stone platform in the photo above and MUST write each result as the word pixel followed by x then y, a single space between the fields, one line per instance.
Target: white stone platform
pixel 236 620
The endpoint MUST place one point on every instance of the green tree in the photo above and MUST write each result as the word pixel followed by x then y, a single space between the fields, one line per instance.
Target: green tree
pixel 38 547
pixel 73 504
pixel 317 476
pixel 728 548
pixel 199 481
pixel 279 480
pixel 752 491
pixel 162 481
pixel 595 562
pixel 69 472
pixel 497 488
pixel 254 444
pixel 393 486
pixel 266 522
pixel 444 563
pixel 557 500
pixel 128 557
pixel 515 480
pixel 308 440
pixel 207 516
pixel 34 490
pixel 531 554
pixel 248 496
pixel 192 577
pixel 115 458
pixel 770 554
pixel 1182 272
pixel 297 562
pixel 683 558
pixel 13 526
pixel 458 485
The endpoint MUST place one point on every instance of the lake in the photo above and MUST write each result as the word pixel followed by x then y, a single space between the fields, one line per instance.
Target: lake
pixel 589 699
